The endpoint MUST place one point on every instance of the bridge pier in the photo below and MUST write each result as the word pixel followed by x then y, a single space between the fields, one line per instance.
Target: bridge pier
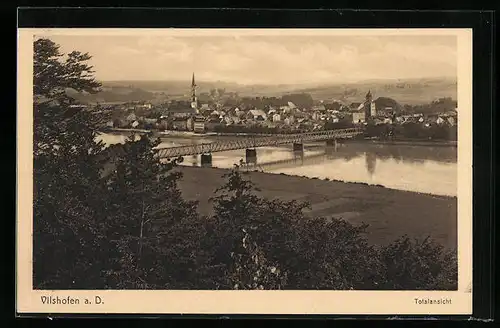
pixel 331 146
pixel 298 147
pixel 206 160
pixel 194 159
pixel 251 155
pixel 331 142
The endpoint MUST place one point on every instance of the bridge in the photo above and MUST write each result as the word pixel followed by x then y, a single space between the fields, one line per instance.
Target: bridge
pixel 251 142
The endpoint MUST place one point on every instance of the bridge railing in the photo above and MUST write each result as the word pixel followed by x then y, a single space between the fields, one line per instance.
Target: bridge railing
pixel 254 141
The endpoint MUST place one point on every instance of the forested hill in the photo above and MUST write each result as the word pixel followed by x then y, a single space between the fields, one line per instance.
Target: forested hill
pixel 412 92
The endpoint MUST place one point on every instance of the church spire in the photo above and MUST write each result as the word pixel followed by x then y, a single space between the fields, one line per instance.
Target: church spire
pixel 194 99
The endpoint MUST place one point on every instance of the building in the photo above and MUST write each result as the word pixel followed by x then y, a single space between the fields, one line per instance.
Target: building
pixel 199 124
pixel 369 106
pixel 190 124
pixel 373 109
pixel 179 124
pixel 358 117
pixel 163 123
pixel 239 113
pixel 215 113
pixel 150 121
pixel 319 108
pixel 386 111
pixel 131 118
pixel 257 114
pixel 182 112
pixel 144 106
pixel 354 106
pixel 227 120
pixel 289 120
pixel 235 119
pixel 316 115
pixel 78 106
pixel 194 99
pixel 212 124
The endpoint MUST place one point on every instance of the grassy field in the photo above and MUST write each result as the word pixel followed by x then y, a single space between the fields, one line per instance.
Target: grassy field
pixel 389 213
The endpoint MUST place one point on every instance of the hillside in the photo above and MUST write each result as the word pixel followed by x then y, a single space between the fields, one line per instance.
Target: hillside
pixel 413 92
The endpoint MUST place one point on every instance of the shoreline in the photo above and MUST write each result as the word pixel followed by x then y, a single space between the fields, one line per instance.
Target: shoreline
pixel 245 172
pixel 190 134
pixel 390 213
pixel 423 143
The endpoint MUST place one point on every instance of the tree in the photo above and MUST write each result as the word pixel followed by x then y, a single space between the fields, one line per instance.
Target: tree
pixel 56 120
pixel 52 76
pixel 418 265
pixel 269 244
pixel 67 172
pixel 252 270
pixel 156 230
pixel 259 243
pixel 234 208
pixel 383 102
pixel 104 217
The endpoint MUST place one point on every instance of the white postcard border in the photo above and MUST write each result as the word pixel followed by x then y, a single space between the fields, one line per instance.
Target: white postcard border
pixel 242 302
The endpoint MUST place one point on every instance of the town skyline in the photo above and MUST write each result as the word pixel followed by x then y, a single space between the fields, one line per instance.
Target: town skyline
pixel 264 60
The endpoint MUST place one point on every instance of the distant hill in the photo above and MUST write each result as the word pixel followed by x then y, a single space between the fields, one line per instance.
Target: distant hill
pixel 411 91
pixel 383 102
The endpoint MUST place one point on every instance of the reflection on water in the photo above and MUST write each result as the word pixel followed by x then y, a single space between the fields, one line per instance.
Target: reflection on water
pixel 371 161
pixel 421 169
pixel 414 168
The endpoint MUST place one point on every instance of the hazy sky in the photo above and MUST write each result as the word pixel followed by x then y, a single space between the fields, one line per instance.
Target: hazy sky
pixel 267 59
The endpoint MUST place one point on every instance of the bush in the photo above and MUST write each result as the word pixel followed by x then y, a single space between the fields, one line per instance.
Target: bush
pixel 252 270
pixel 412 264
pixel 315 253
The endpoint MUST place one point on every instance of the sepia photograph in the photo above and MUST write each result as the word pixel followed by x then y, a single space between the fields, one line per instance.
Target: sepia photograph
pixel 237 160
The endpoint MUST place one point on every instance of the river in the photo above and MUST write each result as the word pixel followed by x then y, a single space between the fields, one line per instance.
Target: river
pixel 426 169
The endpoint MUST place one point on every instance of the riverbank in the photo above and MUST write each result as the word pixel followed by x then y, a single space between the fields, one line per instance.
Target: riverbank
pixel 414 142
pixel 191 134
pixel 390 213
pixel 120 130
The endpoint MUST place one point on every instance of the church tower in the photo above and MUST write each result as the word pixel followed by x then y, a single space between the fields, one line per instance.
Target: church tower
pixel 369 96
pixel 194 99
pixel 370 110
